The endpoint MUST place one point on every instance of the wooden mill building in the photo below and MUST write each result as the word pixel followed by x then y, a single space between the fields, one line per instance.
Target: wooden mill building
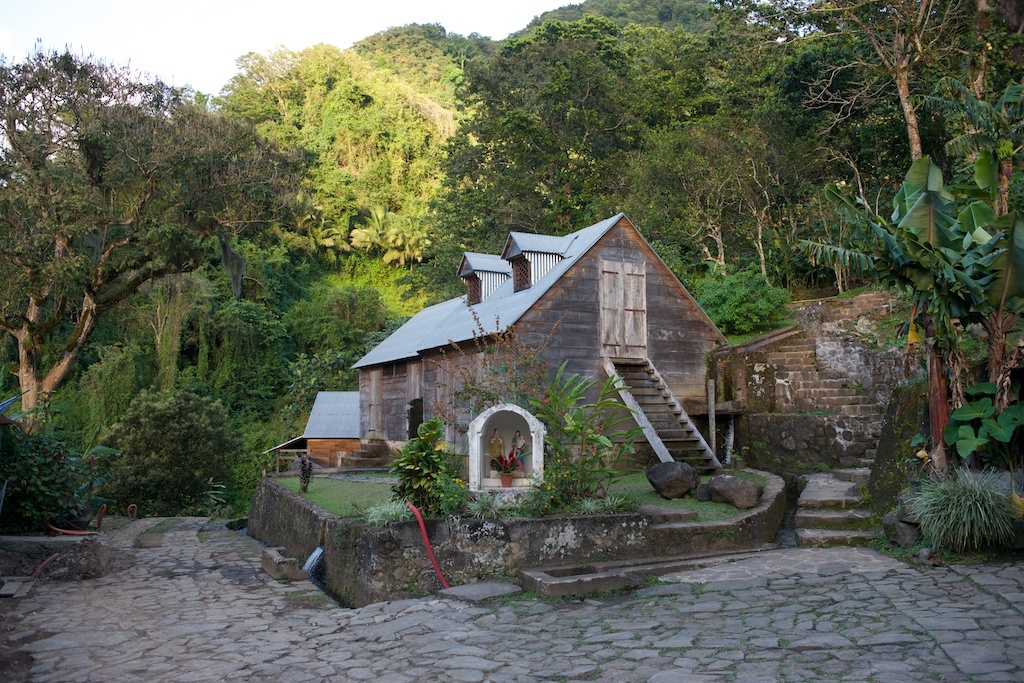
pixel 600 298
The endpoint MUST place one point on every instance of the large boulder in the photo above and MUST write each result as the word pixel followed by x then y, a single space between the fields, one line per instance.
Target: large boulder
pixel 672 479
pixel 741 493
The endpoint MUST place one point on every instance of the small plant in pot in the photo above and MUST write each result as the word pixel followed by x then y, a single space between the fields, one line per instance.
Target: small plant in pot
pixel 506 464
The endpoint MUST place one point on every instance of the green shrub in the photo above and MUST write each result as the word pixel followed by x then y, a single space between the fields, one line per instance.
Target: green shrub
pixel 743 302
pixel 485 506
pixel 451 493
pixel 42 481
pixel 176 450
pixel 423 468
pixel 584 443
pixel 964 512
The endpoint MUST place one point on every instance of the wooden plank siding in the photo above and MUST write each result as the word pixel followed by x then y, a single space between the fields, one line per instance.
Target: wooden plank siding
pixel 328 452
pixel 678 333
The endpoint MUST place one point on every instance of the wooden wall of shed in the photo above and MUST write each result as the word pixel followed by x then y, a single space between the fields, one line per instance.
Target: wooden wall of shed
pixel 397 389
pixel 679 334
pixel 328 452
pixel 442 373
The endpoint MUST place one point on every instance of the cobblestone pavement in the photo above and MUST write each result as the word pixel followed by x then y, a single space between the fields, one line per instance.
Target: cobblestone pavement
pixel 197 608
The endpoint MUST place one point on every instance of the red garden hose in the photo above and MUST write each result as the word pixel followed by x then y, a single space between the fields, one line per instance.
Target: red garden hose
pixel 71 532
pixel 100 515
pixel 43 564
pixel 426 544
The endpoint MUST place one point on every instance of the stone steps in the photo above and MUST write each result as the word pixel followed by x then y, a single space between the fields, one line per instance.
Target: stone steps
pixel 855 475
pixel 823 491
pixel 830 511
pixel 824 538
pixel 850 520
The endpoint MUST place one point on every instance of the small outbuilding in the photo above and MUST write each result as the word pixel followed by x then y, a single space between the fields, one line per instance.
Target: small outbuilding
pixel 599 299
pixel 332 430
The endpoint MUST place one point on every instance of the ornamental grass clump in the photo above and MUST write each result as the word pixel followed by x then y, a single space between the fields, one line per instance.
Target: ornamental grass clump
pixel 964 511
pixel 384 514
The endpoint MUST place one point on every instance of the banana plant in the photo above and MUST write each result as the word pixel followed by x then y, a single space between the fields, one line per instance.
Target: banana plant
pixel 949 262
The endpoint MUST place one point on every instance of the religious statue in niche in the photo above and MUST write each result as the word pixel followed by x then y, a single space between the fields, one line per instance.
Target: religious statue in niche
pixel 506 462
pixel 518 450
pixel 497 444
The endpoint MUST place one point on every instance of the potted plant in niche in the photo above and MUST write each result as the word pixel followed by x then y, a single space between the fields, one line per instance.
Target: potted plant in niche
pixel 506 464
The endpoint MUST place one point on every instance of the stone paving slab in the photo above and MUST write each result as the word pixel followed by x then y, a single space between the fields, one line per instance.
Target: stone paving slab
pixel 198 608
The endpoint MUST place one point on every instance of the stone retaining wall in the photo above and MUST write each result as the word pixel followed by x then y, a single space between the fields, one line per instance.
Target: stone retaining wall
pixel 780 442
pixel 364 564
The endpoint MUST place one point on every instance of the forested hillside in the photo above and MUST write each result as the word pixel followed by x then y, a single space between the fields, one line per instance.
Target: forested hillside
pixel 714 126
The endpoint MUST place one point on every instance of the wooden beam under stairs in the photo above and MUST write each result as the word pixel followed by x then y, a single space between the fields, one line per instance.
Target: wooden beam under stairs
pixel 672 438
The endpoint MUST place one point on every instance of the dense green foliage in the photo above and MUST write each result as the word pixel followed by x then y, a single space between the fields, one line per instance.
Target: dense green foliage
pixel 585 443
pixel 278 231
pixel 176 449
pixel 424 468
pixel 694 16
pixel 42 481
pixel 743 302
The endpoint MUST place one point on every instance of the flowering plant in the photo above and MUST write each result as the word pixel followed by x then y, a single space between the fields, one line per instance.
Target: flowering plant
pixel 506 463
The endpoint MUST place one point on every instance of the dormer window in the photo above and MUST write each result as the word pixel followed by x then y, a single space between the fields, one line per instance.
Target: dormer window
pixel 483 274
pixel 474 290
pixel 520 274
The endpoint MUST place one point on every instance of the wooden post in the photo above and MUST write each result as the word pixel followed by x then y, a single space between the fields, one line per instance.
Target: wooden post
pixel 711 415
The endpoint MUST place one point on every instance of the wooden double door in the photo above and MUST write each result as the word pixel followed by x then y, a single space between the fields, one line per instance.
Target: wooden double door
pixel 623 293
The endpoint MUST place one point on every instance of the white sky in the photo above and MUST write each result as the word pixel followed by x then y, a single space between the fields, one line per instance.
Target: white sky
pixel 196 42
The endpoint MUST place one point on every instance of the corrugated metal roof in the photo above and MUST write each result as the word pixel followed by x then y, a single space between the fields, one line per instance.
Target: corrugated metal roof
pixel 453 320
pixel 10 402
pixel 473 262
pixel 522 242
pixel 335 415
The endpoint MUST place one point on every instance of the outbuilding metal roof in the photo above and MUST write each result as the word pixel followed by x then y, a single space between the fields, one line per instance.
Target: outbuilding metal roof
pixel 454 321
pixel 335 415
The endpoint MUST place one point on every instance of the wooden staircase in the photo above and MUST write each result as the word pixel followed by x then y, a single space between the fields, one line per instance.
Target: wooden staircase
pixel 666 426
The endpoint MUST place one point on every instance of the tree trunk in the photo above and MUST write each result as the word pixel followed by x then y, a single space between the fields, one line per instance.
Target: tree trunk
pixel 938 407
pixel 1004 174
pixel 902 79
pixel 34 388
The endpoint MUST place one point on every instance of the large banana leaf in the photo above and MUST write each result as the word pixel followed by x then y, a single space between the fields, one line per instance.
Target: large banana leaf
pixel 1006 292
pixel 929 217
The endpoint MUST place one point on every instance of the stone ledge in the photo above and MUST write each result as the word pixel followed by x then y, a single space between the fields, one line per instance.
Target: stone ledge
pixel 282 568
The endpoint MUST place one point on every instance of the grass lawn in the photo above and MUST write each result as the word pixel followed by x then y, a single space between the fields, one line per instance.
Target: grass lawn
pixel 352 497
pixel 637 488
pixel 341 497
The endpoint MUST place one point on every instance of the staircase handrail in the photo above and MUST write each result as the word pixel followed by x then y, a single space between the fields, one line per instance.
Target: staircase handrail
pixel 650 433
pixel 678 407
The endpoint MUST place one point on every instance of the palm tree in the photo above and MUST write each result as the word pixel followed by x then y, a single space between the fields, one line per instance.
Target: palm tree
pixel 373 234
pixel 959 268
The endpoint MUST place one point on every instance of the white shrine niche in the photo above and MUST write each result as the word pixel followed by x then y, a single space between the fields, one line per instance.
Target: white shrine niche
pixel 494 431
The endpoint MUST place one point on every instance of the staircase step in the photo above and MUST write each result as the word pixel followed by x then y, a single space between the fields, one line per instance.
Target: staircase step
pixel 823 491
pixel 850 520
pixel 821 538
pixel 867 410
pixel 818 382
pixel 855 475
pixel 792 356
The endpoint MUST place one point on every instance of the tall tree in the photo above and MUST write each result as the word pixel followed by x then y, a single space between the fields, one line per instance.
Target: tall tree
pixel 552 120
pixel 108 182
